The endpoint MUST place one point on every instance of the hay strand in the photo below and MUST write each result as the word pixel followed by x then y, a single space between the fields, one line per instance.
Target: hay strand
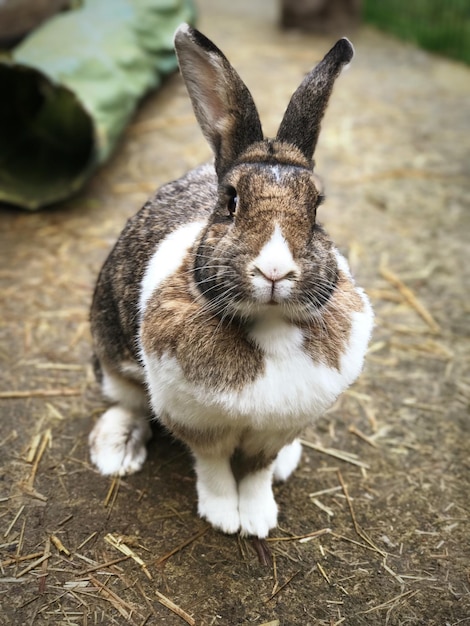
pixel 39 393
pixel 391 602
pixel 119 544
pixel 102 566
pixel 119 604
pixel 359 531
pixel 185 543
pixel 358 433
pixel 323 573
pixel 13 560
pixel 177 610
pixel 59 545
pixel 302 538
pixel 282 587
pixel 409 296
pixel 41 448
pixel 337 454
pixel 13 522
pixel 33 565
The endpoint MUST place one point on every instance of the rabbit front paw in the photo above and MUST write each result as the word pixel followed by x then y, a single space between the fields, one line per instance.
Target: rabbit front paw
pixel 217 493
pixel 117 442
pixel 221 512
pixel 257 506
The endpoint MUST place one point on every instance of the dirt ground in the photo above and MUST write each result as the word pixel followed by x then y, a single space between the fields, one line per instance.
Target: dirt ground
pixel 374 525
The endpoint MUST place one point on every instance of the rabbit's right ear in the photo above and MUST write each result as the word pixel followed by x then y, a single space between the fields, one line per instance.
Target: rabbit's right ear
pixel 221 101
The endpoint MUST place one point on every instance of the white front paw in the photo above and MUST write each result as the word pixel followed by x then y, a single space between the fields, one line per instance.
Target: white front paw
pixel 287 460
pixel 217 492
pixel 257 506
pixel 220 511
pixel 258 517
pixel 117 442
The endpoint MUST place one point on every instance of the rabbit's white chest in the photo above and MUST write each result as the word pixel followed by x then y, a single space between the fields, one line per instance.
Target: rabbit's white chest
pixel 289 392
pixel 279 340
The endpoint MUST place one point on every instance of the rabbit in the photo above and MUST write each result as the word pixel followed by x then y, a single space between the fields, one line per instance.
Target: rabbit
pixel 224 310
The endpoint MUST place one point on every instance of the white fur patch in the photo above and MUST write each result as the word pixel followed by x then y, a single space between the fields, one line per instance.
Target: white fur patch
pixel 126 393
pixel 167 258
pixel 217 493
pixel 272 267
pixel 343 265
pixel 117 442
pixel 132 370
pixel 362 325
pixel 275 336
pixel 361 330
pixel 287 460
pixel 257 507
pixel 276 170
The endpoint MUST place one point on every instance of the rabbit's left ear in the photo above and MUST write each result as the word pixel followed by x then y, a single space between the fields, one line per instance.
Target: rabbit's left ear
pixel 221 101
pixel 301 123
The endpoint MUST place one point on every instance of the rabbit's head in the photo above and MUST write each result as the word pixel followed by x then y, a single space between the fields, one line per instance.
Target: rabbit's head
pixel 263 248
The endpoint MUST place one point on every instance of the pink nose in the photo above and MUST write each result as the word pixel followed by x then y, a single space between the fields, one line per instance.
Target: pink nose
pixel 274 275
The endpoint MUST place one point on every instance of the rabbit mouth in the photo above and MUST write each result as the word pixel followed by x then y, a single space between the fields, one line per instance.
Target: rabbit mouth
pixel 288 309
pixel 273 293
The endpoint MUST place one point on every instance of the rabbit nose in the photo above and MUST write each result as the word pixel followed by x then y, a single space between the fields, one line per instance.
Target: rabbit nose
pixel 274 274
pixel 275 261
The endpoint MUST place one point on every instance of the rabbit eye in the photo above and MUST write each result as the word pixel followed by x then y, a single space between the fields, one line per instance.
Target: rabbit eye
pixel 320 200
pixel 232 200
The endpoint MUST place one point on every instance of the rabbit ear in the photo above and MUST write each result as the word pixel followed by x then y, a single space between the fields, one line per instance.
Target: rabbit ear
pixel 301 123
pixel 221 101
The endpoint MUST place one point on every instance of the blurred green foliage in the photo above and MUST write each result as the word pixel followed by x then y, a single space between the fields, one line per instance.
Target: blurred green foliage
pixel 441 26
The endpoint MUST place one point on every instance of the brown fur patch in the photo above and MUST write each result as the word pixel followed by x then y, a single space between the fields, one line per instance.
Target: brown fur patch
pixel 272 151
pixel 209 350
pixel 242 464
pixel 326 339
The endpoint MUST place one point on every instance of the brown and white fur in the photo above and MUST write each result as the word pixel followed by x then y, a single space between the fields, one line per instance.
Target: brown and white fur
pixel 224 307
